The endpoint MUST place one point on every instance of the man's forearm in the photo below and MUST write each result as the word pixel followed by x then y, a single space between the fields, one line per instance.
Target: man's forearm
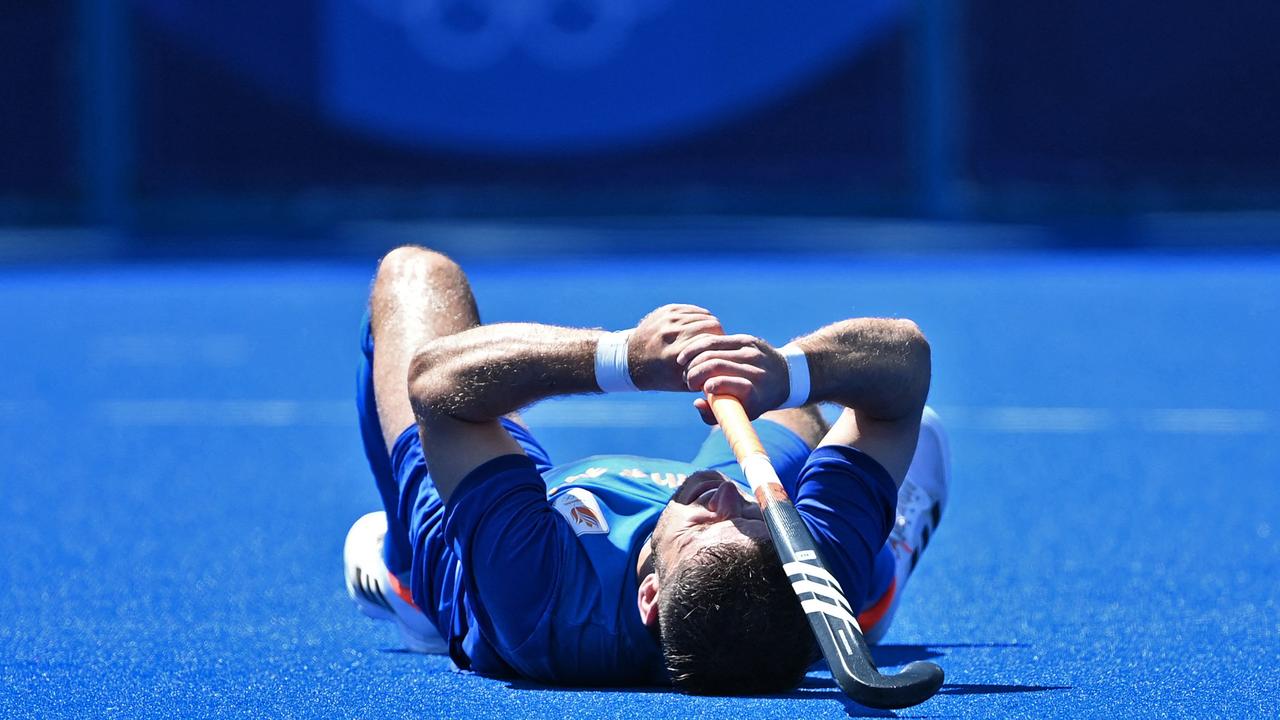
pixel 492 370
pixel 879 367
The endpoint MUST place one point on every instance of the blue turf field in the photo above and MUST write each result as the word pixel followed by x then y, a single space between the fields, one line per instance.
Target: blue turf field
pixel 179 464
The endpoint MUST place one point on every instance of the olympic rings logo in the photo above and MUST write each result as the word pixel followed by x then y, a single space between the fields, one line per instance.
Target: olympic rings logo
pixel 478 34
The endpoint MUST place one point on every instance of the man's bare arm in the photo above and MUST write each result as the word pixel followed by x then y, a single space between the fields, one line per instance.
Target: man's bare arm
pixel 879 369
pixel 488 371
pixel 461 384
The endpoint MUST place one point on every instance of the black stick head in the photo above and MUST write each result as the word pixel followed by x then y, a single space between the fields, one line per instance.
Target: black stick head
pixel 917 682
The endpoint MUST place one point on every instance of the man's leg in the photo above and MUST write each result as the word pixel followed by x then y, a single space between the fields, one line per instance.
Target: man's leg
pixel 921 500
pixel 417 295
pixel 398 565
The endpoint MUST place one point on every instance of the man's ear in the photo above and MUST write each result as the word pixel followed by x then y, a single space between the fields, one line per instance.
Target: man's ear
pixel 647 600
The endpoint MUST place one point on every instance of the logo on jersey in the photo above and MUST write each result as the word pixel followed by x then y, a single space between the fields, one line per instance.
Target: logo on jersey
pixel 585 517
pixel 581 509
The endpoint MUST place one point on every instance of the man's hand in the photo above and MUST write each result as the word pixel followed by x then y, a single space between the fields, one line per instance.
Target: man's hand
pixel 743 366
pixel 658 340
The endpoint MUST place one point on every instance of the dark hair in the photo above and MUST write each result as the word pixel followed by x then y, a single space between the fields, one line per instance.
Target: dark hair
pixel 731 625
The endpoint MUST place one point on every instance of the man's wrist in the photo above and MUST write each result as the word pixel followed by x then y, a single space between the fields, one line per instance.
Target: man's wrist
pixel 798 379
pixel 613 371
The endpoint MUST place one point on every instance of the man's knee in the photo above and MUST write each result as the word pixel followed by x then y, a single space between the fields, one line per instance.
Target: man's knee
pixel 411 270
pixel 807 422
pixel 423 286
pixel 413 261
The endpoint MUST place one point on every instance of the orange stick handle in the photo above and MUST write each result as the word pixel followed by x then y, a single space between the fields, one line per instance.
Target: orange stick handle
pixel 746 446
pixel 737 428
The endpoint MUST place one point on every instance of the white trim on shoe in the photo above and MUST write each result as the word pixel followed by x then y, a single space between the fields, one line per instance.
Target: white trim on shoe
pixel 378 593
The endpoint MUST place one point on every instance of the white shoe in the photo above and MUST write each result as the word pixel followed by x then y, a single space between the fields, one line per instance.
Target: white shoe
pixel 921 500
pixel 379 594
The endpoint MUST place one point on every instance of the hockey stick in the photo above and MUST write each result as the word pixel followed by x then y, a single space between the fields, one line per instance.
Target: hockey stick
pixel 830 614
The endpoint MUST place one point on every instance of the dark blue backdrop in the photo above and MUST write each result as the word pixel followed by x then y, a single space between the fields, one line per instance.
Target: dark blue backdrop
pixel 129 110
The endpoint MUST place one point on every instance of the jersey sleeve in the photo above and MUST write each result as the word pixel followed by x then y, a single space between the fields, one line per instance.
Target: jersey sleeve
pixel 848 501
pixel 513 549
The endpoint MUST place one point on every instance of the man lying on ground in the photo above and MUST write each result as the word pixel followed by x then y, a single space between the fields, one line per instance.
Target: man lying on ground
pixel 623 570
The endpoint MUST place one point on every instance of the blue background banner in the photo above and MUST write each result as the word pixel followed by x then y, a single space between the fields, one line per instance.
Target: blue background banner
pixel 526 76
pixel 177 113
pixel 501 76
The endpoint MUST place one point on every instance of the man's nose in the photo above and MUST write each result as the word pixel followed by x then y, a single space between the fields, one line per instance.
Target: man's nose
pixel 727 501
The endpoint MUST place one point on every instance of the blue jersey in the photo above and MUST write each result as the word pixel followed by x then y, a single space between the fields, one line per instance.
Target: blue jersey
pixel 553 563
pixel 548 560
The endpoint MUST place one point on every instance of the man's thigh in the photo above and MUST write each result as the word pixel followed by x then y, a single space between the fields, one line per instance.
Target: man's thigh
pixel 418 295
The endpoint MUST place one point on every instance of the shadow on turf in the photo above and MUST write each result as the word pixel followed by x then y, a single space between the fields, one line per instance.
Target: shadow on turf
pixel 888 656
pixel 824 687
pixel 980 689
pixel 853 709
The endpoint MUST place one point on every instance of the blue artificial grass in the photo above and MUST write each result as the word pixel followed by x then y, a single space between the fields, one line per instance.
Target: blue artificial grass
pixel 181 463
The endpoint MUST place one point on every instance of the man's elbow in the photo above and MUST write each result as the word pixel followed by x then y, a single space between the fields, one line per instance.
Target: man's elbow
pixel 429 382
pixel 919 364
pixel 914 367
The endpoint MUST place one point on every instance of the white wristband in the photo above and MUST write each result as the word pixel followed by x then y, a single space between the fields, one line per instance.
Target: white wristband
pixel 612 373
pixel 798 372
